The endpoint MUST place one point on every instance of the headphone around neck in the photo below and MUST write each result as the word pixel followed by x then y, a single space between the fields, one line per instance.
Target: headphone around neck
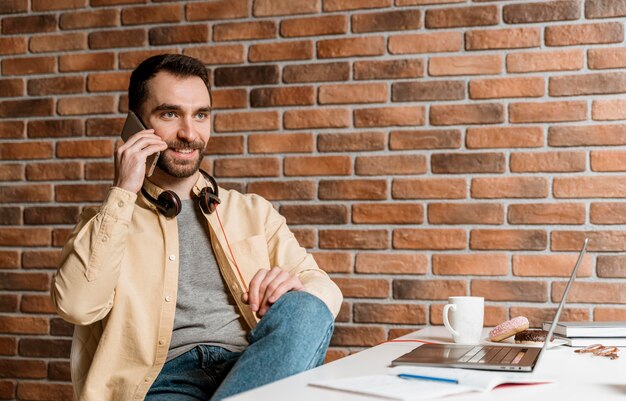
pixel 169 204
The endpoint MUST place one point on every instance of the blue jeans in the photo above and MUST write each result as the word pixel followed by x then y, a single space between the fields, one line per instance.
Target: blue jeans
pixel 292 337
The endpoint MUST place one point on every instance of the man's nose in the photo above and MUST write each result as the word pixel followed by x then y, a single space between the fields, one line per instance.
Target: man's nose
pixel 185 130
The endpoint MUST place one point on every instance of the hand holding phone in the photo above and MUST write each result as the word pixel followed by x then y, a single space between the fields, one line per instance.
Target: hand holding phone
pixel 137 157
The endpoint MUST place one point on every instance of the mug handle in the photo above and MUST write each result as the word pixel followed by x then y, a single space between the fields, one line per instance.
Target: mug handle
pixel 446 322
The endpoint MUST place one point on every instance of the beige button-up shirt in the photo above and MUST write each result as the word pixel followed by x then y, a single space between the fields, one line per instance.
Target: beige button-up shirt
pixel 118 279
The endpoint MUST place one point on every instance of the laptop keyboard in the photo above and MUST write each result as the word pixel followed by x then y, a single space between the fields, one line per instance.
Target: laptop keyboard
pixel 493 355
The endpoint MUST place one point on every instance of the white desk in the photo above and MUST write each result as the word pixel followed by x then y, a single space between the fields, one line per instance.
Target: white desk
pixel 578 376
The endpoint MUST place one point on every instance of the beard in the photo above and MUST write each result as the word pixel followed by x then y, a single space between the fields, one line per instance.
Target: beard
pixel 180 168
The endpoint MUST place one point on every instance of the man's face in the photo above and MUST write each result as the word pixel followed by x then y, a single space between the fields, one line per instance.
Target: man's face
pixel 178 109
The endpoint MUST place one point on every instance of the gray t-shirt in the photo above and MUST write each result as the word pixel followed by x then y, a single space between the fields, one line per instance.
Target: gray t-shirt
pixel 206 313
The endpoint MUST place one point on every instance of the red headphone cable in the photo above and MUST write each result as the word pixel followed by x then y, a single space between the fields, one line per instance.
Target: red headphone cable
pixel 230 250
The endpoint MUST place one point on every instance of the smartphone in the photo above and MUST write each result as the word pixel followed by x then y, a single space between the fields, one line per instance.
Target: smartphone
pixel 132 126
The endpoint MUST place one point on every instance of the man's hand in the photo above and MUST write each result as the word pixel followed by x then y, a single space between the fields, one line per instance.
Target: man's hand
pixel 130 159
pixel 267 286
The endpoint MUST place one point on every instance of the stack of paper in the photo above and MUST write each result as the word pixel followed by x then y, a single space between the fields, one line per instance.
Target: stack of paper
pixel 582 334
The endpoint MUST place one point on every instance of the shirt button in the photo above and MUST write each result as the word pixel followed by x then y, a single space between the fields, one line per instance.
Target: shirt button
pixel 161 342
pixel 172 257
pixel 147 379
pixel 105 239
pixel 120 203
pixel 168 298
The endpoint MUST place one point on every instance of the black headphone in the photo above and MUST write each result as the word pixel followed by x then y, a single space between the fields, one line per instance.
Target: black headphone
pixel 169 204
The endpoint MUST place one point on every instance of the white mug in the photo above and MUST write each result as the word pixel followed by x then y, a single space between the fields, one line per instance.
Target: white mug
pixel 466 318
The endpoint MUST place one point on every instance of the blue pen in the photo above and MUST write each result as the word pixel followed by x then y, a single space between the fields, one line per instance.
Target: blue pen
pixel 437 379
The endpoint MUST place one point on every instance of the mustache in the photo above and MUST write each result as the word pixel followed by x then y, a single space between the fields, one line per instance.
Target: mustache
pixel 197 144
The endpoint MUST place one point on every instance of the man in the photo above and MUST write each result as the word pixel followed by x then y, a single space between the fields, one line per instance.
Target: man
pixel 198 306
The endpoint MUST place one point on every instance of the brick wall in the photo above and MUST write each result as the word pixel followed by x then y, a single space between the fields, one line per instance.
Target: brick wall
pixel 419 148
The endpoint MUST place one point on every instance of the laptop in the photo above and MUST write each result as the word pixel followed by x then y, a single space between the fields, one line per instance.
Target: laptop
pixel 487 357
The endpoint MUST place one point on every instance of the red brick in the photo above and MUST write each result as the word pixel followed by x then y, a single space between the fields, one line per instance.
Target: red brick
pixel 461 163
pixel 282 96
pixel 12 129
pixel 29 24
pixel 108 82
pixel 314 26
pixel 387 213
pixel 603 9
pixel 550 265
pixel 565 60
pixel 8 303
pixel 606 213
pixel 281 143
pixel 359 336
pixel 316 118
pixel 10 216
pixel 35 347
pixel 12 87
pixel 59 371
pixel 99 171
pixel 315 214
pixel 317 165
pixel 547 213
pixel 81 192
pixel 12 172
pixel 344 5
pixel 510 187
pixel 353 93
pixel 587 136
pixel 607 58
pixel 229 98
pixel 425 139
pixel 609 314
pixel 214 55
pixel 27 107
pixel 225 145
pixel 390 165
pixel 496 264
pixel 483 239
pixel 217 10
pixel 46 259
pixel 589 84
pixel 434 90
pixel 247 121
pixel 600 241
pixel 62 85
pixel 114 38
pixel 86 62
pixel 590 292
pixel 263 8
pixel 321 72
pixel 51 214
pixel 334 262
pixel 610 109
pixel 24 325
pixel 351 47
pixel 152 14
pixel 28 65
pixel 389 116
pixel 104 126
pixel 457 213
pixel 43 5
pixel 501 290
pixel 410 238
pixel 22 368
pixel 44 391
pixel 79 105
pixel 132 58
pixel 389 313
pixel 504 137
pixel 541 12
pixel 462 17
pixel 589 187
pixel 358 141
pixel 385 69
pixel 386 21
pixel 244 31
pixel 292 50
pixel 465 65
pixel 8 346
pixel 570 35
pixel 168 35
pixel 60 237
pixel 25 193
pixel 363 288
pixel 611 266
pixel 13 6
pixel 480 113
pixel 59 327
pixel 607 161
pixel 26 150
pixel 283 190
pixel 9 259
pixel 353 189
pixel 506 88
pixel 37 304
pixel 54 171
pixel 248 75
pixel 391 263
pixel 429 188
pixel 58 42
pixel 354 239
pixel 426 43
pixel 536 316
pixel 548 111
pixel 13 45
pixel 514 38
pixel 428 289
pixel 247 167
pixel 89 19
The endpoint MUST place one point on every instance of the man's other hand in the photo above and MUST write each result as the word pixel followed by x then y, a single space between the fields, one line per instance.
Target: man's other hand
pixel 267 286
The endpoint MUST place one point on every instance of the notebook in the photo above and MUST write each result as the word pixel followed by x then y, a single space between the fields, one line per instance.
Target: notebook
pixel 491 357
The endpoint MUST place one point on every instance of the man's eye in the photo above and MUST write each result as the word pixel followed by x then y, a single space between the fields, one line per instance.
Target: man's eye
pixel 202 116
pixel 169 114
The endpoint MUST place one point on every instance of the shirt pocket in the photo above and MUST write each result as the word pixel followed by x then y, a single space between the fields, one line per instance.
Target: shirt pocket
pixel 251 255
